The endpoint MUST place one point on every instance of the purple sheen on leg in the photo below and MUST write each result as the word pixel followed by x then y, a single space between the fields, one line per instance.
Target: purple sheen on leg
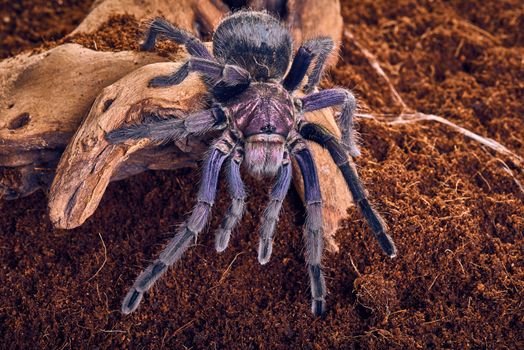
pixel 323 99
pixel 236 208
pixel 309 174
pixel 160 26
pixel 322 47
pixel 172 79
pixel 313 230
pixel 187 233
pixel 209 180
pixel 318 134
pixel 298 69
pixel 198 219
pixel 272 212
pixel 334 97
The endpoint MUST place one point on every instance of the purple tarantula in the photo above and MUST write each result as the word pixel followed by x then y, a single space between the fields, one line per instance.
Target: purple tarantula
pixel 252 88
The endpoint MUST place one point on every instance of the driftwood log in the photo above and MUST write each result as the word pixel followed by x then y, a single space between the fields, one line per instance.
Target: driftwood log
pixel 44 98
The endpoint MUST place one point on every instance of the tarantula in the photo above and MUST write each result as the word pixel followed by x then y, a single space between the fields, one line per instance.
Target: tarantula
pixel 254 103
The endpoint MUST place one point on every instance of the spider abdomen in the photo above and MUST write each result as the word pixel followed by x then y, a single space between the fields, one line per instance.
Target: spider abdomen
pixel 256 42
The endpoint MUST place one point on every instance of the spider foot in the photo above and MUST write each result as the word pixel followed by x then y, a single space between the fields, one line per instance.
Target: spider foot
pixel 318 307
pixel 131 301
pixel 147 45
pixel 353 150
pixel 265 249
pixel 350 146
pixel 387 244
pixel 222 240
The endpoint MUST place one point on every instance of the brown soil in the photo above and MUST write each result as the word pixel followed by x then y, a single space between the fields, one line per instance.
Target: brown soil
pixel 456 214
pixel 27 23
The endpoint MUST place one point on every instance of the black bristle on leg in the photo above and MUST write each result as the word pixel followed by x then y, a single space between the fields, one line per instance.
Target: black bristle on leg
pixel 213 71
pixel 372 217
pixel 172 129
pixel 318 290
pixel 317 49
pixel 160 26
pixel 337 97
pixel 188 232
pixel 313 227
pixel 224 92
pixel 131 301
pixel 298 69
pixel 135 132
pixel 169 80
pixel 236 208
pixel 323 137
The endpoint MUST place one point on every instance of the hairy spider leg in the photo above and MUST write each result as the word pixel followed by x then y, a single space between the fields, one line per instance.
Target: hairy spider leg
pixel 214 71
pixel 336 97
pixel 318 49
pixel 272 212
pixel 298 69
pixel 236 208
pixel 324 138
pixel 313 225
pixel 189 229
pixel 201 59
pixel 160 26
pixel 171 129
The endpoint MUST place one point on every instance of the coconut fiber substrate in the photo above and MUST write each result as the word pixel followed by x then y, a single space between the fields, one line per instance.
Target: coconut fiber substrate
pixel 454 206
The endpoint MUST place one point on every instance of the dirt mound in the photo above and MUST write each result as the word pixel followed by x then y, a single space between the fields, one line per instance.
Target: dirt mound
pixel 454 206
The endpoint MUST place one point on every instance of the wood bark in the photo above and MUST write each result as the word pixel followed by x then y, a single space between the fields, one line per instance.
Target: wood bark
pixel 44 97
pixel 89 162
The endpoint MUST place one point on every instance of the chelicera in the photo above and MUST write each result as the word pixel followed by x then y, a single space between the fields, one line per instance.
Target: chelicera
pixel 253 80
